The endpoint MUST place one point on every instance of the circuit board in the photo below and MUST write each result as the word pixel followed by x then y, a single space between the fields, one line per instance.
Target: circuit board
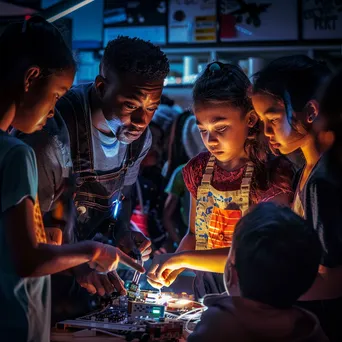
pixel 146 315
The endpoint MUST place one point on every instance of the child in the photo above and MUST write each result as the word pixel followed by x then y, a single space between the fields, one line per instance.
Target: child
pixel 271 247
pixel 36 69
pixel 285 98
pixel 236 173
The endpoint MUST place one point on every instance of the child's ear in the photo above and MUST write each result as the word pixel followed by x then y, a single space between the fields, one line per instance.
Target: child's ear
pixel 311 111
pixel 251 119
pixel 31 76
pixel 231 279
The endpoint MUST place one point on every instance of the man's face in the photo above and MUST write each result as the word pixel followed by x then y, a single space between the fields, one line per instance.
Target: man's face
pixel 128 103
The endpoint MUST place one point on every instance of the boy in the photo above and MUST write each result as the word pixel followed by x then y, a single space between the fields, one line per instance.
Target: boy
pixel 271 247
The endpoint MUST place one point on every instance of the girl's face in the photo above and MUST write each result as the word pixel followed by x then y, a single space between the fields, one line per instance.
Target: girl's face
pixel 39 99
pixel 277 128
pixel 224 129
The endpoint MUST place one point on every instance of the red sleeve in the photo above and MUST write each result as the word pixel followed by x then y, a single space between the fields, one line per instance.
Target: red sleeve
pixel 193 172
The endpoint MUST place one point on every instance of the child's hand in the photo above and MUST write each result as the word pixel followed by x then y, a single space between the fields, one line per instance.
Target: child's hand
pixel 107 258
pixel 164 269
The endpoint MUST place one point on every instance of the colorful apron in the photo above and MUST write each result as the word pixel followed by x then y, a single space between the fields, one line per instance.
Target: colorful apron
pixel 217 212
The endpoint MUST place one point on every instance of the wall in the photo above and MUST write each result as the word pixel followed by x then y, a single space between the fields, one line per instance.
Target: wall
pixel 87 23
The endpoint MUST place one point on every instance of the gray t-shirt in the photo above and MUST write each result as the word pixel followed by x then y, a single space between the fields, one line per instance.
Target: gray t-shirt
pixel 25 302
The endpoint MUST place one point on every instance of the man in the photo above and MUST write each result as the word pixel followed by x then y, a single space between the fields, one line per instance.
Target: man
pixel 96 143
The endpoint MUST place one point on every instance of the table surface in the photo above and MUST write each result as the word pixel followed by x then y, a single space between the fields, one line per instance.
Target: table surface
pixel 65 336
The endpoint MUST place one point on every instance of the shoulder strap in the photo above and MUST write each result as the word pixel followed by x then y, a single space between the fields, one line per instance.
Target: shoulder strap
pixel 73 112
pixel 209 170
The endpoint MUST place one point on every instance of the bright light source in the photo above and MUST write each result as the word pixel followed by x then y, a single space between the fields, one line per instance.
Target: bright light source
pixel 68 11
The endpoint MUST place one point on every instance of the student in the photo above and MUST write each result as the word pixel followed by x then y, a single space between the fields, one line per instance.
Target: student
pixel 271 247
pixel 285 98
pixel 224 182
pixel 36 69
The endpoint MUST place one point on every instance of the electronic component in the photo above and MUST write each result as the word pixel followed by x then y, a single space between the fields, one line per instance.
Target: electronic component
pixel 133 291
pixel 141 310
pixel 171 330
pixel 109 314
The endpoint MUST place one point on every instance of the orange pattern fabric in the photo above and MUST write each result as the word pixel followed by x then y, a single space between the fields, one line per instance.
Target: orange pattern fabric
pixel 39 225
pixel 221 227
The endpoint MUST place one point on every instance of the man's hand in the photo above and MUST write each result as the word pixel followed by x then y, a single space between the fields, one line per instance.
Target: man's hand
pixel 164 270
pixel 106 259
pixel 131 240
pixel 95 282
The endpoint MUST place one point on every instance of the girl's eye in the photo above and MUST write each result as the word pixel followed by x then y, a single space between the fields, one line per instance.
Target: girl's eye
pixel 221 129
pixel 57 97
pixel 130 106
pixel 273 121
pixel 152 109
pixel 202 131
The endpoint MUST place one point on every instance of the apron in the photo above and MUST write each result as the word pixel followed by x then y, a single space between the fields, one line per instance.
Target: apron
pixel 98 195
pixel 217 213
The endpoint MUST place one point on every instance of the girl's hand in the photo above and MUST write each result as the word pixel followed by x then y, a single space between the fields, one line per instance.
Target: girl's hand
pixel 106 258
pixel 164 269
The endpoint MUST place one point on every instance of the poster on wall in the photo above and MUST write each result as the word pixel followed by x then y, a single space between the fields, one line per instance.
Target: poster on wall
pixel 192 21
pixel 322 19
pixel 248 20
pixel 142 19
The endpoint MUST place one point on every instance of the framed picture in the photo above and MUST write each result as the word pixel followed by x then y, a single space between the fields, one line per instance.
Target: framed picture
pixel 262 20
pixel 192 21
pixel 322 19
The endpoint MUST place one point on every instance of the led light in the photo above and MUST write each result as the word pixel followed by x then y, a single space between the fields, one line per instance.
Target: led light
pixel 68 10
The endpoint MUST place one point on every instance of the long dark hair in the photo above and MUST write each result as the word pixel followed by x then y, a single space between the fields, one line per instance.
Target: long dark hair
pixel 295 80
pixel 227 83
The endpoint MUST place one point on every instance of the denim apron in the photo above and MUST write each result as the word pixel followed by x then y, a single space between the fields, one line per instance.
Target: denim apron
pixel 97 194
pixel 217 212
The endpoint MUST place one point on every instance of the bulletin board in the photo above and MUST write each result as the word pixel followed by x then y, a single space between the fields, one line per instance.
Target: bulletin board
pixel 263 20
pixel 192 21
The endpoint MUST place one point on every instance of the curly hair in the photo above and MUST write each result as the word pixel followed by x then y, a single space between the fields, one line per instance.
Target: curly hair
pixel 227 83
pixel 136 56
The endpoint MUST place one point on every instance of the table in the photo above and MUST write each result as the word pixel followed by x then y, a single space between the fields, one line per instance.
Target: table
pixel 85 336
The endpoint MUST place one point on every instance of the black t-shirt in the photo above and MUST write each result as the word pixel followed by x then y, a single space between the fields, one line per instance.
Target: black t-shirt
pixel 321 199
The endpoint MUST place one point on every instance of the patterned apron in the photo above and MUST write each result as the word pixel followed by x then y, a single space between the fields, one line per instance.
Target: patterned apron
pixel 217 212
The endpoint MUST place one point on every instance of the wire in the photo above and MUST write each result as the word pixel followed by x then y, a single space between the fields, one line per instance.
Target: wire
pixel 187 325
pixel 197 310
pixel 108 333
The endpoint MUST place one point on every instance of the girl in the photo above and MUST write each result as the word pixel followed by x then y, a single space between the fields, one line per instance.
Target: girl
pixel 224 182
pixel 285 98
pixel 36 69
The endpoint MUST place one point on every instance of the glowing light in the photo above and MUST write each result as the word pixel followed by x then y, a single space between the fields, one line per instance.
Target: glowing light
pixel 69 10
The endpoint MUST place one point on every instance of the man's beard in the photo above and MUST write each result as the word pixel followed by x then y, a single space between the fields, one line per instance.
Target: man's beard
pixel 120 131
